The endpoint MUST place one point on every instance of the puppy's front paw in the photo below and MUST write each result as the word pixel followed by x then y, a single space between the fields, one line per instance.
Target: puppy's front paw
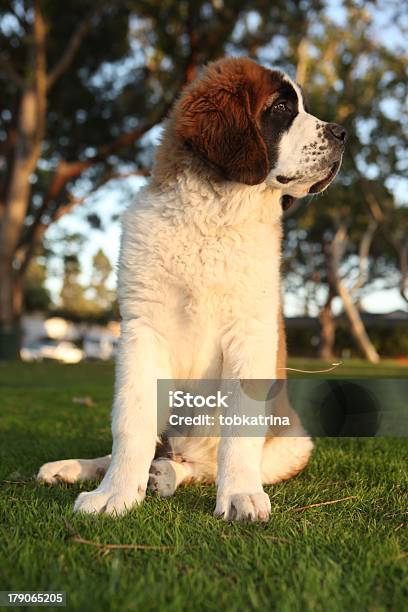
pixel 241 507
pixel 162 478
pixel 109 501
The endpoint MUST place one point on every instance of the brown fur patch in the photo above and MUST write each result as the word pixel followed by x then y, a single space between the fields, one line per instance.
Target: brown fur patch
pixel 217 119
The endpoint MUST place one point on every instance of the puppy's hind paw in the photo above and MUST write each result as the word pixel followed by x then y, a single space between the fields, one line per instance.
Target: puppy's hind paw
pixel 162 478
pixel 68 471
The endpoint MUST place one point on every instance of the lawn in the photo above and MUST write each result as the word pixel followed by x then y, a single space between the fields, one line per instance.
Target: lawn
pixel 350 555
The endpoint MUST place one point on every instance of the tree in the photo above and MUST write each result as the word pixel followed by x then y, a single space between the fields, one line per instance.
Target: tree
pixel 82 84
pixel 36 295
pixel 36 115
pixel 72 297
pixel 350 232
pixel 103 296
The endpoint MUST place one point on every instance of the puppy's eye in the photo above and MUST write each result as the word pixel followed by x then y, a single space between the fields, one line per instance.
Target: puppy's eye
pixel 280 107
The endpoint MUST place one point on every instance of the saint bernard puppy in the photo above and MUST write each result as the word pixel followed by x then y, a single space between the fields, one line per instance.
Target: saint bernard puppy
pixel 199 287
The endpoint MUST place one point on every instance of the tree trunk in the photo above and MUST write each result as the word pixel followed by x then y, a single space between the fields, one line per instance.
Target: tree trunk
pixel 326 319
pixel 29 135
pixel 327 331
pixel 357 326
pixel 9 326
pixel 24 163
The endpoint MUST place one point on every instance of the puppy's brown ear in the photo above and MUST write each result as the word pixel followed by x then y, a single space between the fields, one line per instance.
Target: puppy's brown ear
pixel 218 125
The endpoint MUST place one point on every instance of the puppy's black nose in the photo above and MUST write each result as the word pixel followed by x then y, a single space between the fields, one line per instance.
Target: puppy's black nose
pixel 333 130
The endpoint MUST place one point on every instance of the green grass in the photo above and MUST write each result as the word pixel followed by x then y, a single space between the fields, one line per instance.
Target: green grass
pixel 347 556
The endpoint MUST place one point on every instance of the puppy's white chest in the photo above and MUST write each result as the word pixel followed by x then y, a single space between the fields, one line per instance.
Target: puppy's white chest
pixel 232 260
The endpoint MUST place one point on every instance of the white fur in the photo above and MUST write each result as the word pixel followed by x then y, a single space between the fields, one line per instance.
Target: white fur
pixel 199 293
pixel 199 289
pixel 73 470
pixel 305 153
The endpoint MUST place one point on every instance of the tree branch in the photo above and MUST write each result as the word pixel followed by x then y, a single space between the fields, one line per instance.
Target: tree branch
pixel 40 226
pixel 7 66
pixel 364 252
pixel 302 61
pixel 190 70
pixel 398 244
pixel 356 323
pixel 68 171
pixel 403 257
pixel 40 64
pixel 72 47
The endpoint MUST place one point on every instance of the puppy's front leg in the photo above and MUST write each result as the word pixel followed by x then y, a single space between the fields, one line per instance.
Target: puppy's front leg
pixel 240 495
pixel 142 359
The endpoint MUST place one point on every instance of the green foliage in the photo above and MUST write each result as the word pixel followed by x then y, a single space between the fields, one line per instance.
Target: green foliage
pixel 36 296
pixel 72 292
pixel 388 341
pixel 94 301
pixel 102 268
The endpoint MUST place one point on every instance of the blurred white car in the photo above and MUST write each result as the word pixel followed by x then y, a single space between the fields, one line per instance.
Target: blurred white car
pixel 99 347
pixel 59 350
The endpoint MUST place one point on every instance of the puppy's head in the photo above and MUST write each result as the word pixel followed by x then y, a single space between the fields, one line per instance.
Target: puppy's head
pixel 250 124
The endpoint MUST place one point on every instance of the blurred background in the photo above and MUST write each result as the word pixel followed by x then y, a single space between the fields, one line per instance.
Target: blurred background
pixel 84 88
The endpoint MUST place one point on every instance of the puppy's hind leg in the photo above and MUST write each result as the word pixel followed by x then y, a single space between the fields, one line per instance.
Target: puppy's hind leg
pixel 284 457
pixel 73 470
